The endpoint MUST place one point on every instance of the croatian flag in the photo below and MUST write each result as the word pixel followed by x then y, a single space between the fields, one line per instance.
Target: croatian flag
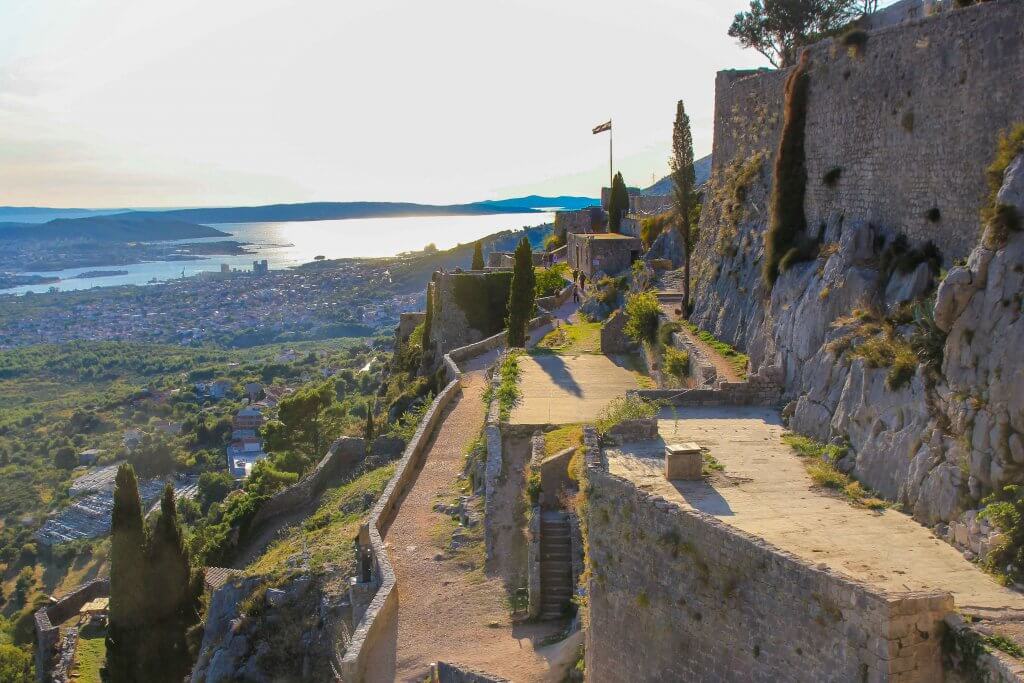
pixel 603 127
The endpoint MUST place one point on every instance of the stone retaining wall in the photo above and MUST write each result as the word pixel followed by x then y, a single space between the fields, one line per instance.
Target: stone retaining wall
pixel 676 594
pixel 701 368
pixel 758 390
pixel 343 456
pixel 49 618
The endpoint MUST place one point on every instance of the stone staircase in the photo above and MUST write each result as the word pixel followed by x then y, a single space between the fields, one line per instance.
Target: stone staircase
pixel 555 566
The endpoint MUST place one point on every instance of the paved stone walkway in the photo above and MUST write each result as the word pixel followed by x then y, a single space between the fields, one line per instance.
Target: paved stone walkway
pixel 670 303
pixel 557 389
pixel 766 491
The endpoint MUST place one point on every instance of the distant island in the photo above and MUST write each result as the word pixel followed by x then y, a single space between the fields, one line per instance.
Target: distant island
pixel 98 273
pixel 130 227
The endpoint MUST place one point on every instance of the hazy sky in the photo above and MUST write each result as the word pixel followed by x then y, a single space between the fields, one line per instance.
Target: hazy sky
pixel 151 103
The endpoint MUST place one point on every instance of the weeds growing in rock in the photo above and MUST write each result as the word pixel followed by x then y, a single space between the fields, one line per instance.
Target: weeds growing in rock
pixel 998 220
pixel 821 462
pixel 677 362
pixel 1005 509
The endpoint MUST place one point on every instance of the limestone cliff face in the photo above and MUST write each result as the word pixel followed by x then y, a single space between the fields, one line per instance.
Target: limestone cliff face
pixel 937 444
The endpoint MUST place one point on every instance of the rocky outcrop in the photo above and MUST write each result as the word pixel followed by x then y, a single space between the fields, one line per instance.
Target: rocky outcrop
pixel 669 246
pixel 258 633
pixel 613 335
pixel 936 443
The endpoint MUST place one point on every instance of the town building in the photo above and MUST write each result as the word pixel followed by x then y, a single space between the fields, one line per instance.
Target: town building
pixel 246 423
pixel 605 253
pixel 243 455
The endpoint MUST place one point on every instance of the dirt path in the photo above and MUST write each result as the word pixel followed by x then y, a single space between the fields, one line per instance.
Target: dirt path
pixel 670 302
pixel 446 612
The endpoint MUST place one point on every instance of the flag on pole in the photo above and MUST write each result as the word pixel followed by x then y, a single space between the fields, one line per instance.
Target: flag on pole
pixel 603 127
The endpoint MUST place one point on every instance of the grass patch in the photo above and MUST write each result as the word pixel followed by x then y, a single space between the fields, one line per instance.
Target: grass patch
pixel 507 393
pixel 326 534
pixel 574 338
pixel 820 462
pixel 559 439
pixel 90 655
pixel 711 463
pixel 623 409
pixel 998 219
pixel 737 360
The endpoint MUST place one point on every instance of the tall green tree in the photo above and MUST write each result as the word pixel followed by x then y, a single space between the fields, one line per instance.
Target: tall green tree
pixel 428 319
pixel 521 298
pixel 368 429
pixel 128 589
pixel 684 194
pixel 779 28
pixel 618 203
pixel 478 256
pixel 173 604
pixel 301 420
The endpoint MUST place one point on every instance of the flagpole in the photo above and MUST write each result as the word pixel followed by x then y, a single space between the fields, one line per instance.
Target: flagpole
pixel 611 172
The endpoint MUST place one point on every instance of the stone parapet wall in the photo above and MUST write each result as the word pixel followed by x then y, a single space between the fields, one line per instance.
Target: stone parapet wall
pixel 701 368
pixel 690 598
pixel 407 322
pixel 343 456
pixel 383 608
pixel 49 618
pixel 650 204
pixel 756 391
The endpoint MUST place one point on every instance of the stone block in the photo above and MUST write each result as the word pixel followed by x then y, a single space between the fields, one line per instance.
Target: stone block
pixel 683 461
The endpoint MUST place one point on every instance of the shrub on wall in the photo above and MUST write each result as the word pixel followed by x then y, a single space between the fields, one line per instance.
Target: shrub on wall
pixel 788 225
pixel 483 300
pixel 998 220
pixel 642 310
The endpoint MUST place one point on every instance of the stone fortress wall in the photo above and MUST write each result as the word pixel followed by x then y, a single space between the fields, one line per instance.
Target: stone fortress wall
pixel 690 598
pixel 911 122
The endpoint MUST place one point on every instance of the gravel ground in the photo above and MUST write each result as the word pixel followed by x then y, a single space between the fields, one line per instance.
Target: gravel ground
pixel 446 612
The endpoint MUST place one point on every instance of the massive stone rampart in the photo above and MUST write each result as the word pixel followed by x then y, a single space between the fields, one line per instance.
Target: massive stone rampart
pixel 676 594
pixel 910 123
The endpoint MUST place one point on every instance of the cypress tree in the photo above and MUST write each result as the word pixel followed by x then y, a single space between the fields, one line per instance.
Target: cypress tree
pixel 618 203
pixel 368 429
pixel 428 319
pixel 128 588
pixel 521 296
pixel 172 606
pixel 478 256
pixel 683 195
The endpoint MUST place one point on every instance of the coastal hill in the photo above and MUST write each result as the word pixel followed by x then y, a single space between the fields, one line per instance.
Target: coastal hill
pixel 116 228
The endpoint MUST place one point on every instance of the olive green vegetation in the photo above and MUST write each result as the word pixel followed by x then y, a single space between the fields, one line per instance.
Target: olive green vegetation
pixel 86 394
pixel 622 409
pixel 738 361
pixel 550 281
pixel 483 299
pixel 326 534
pixel 1005 509
pixel 820 462
pixel 521 296
pixel 428 321
pixel 999 220
pixel 651 228
pixel 786 242
pixel 16 665
pixel 618 203
pixel 875 338
pixel 478 256
pixel 677 362
pixel 642 310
